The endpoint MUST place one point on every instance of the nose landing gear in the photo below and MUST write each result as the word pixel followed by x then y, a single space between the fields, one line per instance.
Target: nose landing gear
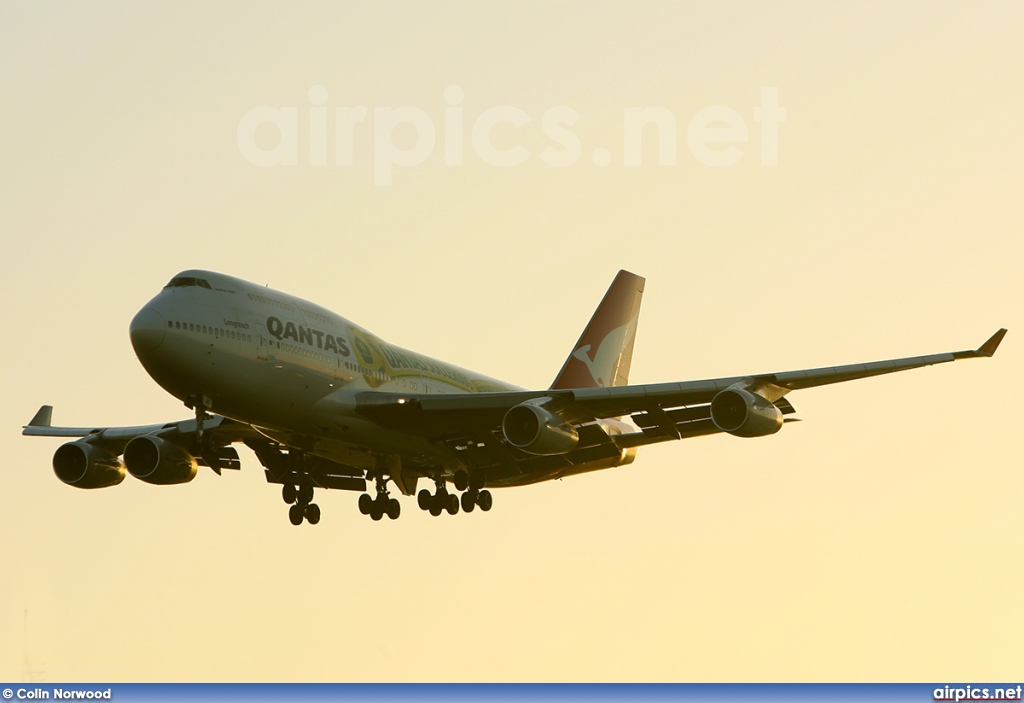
pixel 200 404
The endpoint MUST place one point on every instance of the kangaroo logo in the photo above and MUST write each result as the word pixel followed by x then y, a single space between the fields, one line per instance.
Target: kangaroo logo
pixel 604 363
pixel 602 355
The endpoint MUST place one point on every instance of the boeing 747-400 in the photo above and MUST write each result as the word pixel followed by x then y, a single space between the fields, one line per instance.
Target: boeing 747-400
pixel 325 404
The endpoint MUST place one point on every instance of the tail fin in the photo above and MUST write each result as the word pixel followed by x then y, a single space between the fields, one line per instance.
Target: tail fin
pixel 604 351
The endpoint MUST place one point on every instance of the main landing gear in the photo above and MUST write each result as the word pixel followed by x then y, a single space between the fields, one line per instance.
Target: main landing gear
pixel 443 501
pixel 383 504
pixel 439 501
pixel 301 500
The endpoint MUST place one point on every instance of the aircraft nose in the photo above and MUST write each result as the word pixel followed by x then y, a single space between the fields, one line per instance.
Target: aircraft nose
pixel 147 330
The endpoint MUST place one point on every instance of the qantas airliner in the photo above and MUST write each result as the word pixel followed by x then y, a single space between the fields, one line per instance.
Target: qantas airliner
pixel 324 403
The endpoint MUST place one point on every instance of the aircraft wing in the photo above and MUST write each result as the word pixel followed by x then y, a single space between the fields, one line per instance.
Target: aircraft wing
pixel 218 433
pixel 213 451
pixel 662 410
pixel 221 427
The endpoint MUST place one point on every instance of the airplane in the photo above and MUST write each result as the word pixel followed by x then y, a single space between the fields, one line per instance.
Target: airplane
pixel 325 404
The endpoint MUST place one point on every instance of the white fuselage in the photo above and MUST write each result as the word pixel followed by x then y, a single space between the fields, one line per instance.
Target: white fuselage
pixel 288 367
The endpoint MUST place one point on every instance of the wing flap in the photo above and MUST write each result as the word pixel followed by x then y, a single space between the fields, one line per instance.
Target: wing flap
pixel 687 430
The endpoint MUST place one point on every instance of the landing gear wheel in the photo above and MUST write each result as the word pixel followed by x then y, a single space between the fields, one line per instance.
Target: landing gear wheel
pixel 289 493
pixel 476 481
pixel 423 499
pixel 453 504
pixel 377 512
pixel 296 514
pixel 461 480
pixel 468 501
pixel 365 503
pixel 437 504
pixel 306 494
pixel 485 501
pixel 394 508
pixel 313 513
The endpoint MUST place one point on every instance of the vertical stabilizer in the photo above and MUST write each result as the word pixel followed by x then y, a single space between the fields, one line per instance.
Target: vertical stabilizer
pixel 604 351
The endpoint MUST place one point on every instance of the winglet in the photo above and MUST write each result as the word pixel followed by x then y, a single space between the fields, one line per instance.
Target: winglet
pixel 985 350
pixel 42 418
pixel 989 347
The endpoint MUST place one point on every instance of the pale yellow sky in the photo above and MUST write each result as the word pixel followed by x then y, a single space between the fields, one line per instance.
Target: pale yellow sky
pixel 880 539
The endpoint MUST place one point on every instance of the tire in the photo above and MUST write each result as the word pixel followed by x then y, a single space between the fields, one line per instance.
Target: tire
pixel 453 504
pixel 394 508
pixel 485 501
pixel 376 513
pixel 313 513
pixel 365 503
pixel 468 502
pixel 436 505
pixel 476 480
pixel 306 494
pixel 296 514
pixel 289 493
pixel 461 480
pixel 423 499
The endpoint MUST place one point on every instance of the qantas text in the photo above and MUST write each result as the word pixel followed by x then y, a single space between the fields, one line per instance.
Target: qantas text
pixel 306 335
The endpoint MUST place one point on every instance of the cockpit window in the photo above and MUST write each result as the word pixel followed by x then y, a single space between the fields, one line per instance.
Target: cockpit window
pixel 182 281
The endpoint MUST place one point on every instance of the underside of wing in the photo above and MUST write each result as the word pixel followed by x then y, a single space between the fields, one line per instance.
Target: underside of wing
pixel 482 427
pixel 161 453
pixel 169 453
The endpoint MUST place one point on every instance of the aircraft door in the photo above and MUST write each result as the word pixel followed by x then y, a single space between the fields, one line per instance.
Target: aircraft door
pixel 262 341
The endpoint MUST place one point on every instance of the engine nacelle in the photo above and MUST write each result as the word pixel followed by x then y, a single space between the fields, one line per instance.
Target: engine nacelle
pixel 744 414
pixel 158 461
pixel 85 465
pixel 537 430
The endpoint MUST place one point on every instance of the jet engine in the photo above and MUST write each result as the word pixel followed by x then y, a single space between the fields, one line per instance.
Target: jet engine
pixel 85 465
pixel 158 461
pixel 537 430
pixel 744 414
